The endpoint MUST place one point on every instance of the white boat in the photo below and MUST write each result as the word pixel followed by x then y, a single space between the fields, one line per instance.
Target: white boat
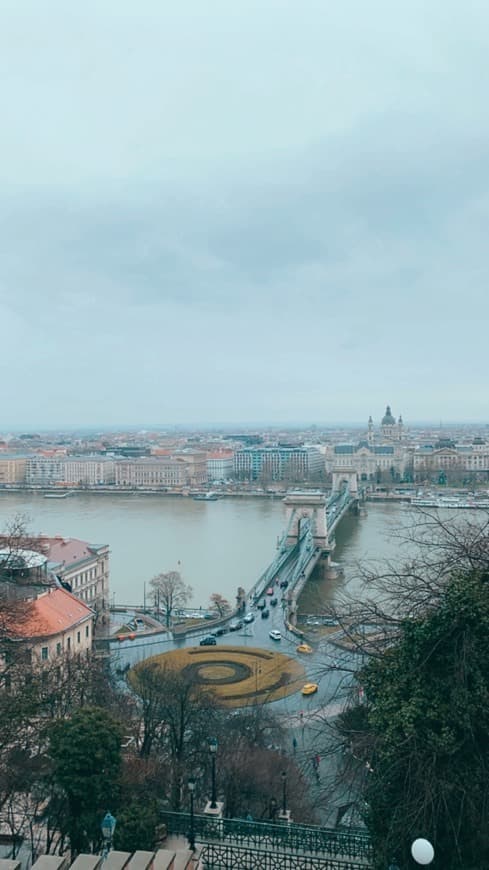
pixel 453 503
pixel 56 494
pixel 205 496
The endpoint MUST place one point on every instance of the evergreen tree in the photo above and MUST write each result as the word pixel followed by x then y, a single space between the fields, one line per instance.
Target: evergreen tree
pixel 86 759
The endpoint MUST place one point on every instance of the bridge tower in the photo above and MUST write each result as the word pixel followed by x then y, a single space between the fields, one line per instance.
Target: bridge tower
pixel 346 476
pixel 306 505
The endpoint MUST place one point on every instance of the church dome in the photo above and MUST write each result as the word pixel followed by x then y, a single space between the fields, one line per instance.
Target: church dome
pixel 388 419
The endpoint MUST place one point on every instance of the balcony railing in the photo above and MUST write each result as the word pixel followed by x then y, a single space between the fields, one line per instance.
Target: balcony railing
pixel 351 845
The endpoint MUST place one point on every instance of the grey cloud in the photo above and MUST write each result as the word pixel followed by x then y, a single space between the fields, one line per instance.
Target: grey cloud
pixel 290 216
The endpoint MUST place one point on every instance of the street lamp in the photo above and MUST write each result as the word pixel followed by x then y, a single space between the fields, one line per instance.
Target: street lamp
pixel 422 851
pixel 284 792
pixel 108 827
pixel 191 833
pixel 213 752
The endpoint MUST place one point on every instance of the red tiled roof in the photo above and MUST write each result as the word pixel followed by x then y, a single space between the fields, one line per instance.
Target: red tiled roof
pixel 67 550
pixel 53 612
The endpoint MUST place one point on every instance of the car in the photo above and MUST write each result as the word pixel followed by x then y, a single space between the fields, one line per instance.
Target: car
pixel 250 617
pixel 265 614
pixel 273 602
pixel 210 640
pixel 275 634
pixel 310 689
pixel 219 632
pixel 235 625
pixel 270 590
pixel 304 648
pixel 284 584
pixel 261 605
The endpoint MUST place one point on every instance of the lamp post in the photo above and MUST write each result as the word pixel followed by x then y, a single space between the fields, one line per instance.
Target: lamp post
pixel 213 752
pixel 191 833
pixel 284 792
pixel 107 827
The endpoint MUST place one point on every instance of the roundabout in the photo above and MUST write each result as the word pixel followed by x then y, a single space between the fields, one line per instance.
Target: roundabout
pixel 237 676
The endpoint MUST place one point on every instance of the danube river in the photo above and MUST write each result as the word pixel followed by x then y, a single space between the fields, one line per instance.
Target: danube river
pixel 217 546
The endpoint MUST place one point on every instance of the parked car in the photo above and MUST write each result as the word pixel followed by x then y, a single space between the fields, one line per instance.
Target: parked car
pixel 265 614
pixel 261 605
pixel 210 640
pixel 273 602
pixel 284 584
pixel 235 625
pixel 275 634
pixel 250 617
pixel 270 590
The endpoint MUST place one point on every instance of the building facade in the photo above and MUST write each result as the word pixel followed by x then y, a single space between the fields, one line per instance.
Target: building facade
pixel 89 470
pixel 220 465
pixel 12 469
pixel 277 463
pixel 151 472
pixel 85 569
pixel 56 624
pixel 371 461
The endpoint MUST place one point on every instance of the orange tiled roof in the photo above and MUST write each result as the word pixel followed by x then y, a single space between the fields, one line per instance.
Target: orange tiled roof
pixel 54 612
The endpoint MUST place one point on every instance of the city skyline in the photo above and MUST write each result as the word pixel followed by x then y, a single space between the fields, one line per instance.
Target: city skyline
pixel 261 213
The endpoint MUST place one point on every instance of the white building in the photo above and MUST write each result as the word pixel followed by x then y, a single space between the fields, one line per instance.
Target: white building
pixel 85 568
pixel 89 470
pixel 220 465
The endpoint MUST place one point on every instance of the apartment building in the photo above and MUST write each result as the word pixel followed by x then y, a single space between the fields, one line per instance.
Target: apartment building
pixel 45 470
pixel 56 623
pixel 195 462
pixel 89 470
pixel 12 469
pixel 220 465
pixel 151 472
pixel 85 568
pixel 277 463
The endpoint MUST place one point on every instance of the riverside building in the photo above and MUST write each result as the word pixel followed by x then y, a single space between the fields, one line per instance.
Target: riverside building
pixel 277 463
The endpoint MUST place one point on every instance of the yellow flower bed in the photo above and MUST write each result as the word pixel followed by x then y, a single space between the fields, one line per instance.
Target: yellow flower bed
pixel 238 676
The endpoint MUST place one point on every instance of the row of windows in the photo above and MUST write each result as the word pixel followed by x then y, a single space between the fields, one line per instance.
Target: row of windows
pixel 83 578
pixel 59 645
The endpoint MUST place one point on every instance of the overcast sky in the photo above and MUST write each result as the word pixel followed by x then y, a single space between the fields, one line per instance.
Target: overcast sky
pixel 243 210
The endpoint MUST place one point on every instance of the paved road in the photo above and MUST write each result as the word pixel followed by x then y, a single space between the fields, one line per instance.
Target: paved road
pixel 326 666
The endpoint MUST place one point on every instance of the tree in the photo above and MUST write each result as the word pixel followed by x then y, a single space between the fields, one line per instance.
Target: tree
pixel 86 759
pixel 219 603
pixel 177 716
pixel 170 593
pixel 137 822
pixel 420 737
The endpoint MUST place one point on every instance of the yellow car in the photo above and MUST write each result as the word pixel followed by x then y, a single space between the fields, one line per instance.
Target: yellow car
pixel 304 648
pixel 310 688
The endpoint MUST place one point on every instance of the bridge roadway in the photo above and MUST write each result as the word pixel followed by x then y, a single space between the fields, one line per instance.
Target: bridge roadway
pixel 294 563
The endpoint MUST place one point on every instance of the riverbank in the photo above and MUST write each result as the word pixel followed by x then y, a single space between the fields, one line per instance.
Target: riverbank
pixel 63 494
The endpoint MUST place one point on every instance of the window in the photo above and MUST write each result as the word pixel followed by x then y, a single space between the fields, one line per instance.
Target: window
pixel 58 649
pixel 78 636
pixel 44 653
pixel 87 631
pixel 68 643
